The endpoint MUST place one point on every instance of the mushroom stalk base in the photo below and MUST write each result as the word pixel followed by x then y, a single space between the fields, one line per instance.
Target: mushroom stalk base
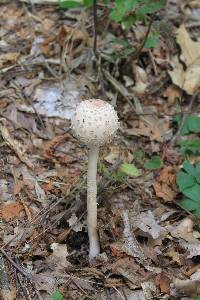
pixel 92 202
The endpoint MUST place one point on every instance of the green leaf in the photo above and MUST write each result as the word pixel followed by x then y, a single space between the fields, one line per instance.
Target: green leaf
pixel 150 7
pixel 139 155
pixel 197 213
pixel 189 147
pixel 197 298
pixel 188 167
pixel 184 181
pixel 128 21
pixel 197 172
pixel 122 8
pixel 130 170
pixel 190 204
pixel 193 123
pixel 119 176
pixel 71 3
pixel 152 40
pixel 193 192
pixel 57 296
pixel 120 42
pixel 154 163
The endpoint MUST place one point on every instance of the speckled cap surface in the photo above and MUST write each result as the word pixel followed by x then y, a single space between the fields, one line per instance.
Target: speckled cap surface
pixel 95 122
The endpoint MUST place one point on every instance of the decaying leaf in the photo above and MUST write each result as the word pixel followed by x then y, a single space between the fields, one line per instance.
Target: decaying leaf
pixel 147 223
pixel 189 79
pixel 16 146
pixel 164 283
pixel 8 58
pixel 131 271
pixel 141 82
pixel 184 231
pixel 58 257
pixel 187 287
pixel 11 210
pixel 73 222
pixel 173 93
pixel 152 127
pixel 165 187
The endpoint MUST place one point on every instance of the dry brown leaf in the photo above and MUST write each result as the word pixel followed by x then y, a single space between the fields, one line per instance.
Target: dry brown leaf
pixel 130 270
pixel 7 58
pixel 141 81
pixel 8 294
pixel 153 127
pixel 116 153
pixel 164 283
pixel 16 146
pixel 163 191
pixel 175 256
pixel 165 187
pixel 172 93
pixel 189 79
pixel 50 146
pixel 11 210
pixel 190 49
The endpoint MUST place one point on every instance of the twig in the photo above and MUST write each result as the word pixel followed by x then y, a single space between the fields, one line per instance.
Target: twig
pixel 95 26
pixel 136 54
pixel 29 101
pixel 14 263
pixel 177 135
pixel 3 275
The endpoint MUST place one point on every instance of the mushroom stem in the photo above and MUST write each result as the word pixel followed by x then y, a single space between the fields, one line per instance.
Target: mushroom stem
pixel 92 202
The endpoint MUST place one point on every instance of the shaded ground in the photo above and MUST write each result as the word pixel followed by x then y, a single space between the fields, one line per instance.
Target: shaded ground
pixel 150 250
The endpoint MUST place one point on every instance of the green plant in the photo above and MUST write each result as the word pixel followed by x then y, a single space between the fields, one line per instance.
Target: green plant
pixel 188 181
pixel 121 174
pixel 191 124
pixel 56 296
pixel 75 3
pixel 189 147
pixel 127 13
pixel 154 163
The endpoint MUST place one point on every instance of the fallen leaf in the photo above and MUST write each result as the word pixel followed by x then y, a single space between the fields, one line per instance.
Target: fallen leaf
pixel 8 58
pixel 50 146
pixel 152 127
pixel 73 222
pixel 163 191
pixel 58 257
pixel 141 81
pixel 146 222
pixel 16 146
pixel 190 49
pixel 186 287
pixel 11 210
pixel 174 255
pixel 130 270
pixel 189 79
pixel 165 187
pixel 164 283
pixel 173 93
pixel 8 294
pixel 116 153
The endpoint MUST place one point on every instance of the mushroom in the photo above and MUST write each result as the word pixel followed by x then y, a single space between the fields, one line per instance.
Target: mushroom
pixel 94 123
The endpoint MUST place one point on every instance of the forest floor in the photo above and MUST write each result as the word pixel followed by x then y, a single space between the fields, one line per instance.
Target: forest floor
pixel 150 245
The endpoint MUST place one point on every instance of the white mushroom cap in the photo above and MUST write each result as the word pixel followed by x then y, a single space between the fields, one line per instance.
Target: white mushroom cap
pixel 95 122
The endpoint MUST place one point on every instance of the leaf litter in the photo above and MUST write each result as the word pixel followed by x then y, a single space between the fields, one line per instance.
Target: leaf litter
pixel 149 248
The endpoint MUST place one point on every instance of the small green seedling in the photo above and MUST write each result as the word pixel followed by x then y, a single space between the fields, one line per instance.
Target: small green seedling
pixel 188 181
pixel 57 296
pixel 154 163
